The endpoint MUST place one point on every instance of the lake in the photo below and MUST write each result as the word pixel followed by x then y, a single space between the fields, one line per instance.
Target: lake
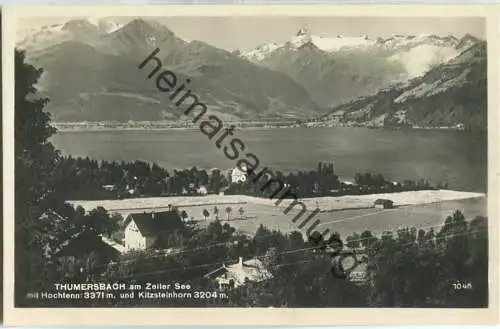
pixel 458 158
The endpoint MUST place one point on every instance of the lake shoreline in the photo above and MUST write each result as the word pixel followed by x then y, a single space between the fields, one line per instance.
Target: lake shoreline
pixel 434 155
pixel 140 129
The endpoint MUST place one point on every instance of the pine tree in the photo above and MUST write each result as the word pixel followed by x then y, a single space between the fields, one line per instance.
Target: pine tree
pixel 35 160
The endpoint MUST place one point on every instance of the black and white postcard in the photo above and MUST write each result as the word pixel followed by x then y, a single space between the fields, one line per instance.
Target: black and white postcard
pixel 270 165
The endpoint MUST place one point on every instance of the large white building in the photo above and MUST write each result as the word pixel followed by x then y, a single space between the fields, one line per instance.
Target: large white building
pixel 143 229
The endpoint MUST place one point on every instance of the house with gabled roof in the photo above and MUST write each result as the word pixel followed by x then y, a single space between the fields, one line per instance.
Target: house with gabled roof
pixel 84 252
pixel 143 229
pixel 232 276
pixel 84 242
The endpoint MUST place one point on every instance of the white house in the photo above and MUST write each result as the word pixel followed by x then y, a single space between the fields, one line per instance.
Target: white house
pixel 238 175
pixel 202 190
pixel 236 275
pixel 143 229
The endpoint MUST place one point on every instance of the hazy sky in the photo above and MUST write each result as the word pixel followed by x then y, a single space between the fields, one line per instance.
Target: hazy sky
pixel 247 32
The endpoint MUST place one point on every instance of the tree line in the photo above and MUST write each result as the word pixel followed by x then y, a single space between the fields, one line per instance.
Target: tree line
pixel 87 179
pixel 407 268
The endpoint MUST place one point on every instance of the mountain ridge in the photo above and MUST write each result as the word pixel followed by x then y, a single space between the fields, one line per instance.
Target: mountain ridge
pixel 83 78
pixel 90 70
pixel 450 94
pixel 344 68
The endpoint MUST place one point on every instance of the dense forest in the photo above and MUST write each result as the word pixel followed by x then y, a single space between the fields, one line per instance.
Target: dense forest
pixel 445 266
pixel 407 268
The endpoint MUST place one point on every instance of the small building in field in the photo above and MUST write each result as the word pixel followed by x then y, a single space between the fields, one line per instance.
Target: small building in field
pixel 383 204
pixel 232 276
pixel 143 229
pixel 109 187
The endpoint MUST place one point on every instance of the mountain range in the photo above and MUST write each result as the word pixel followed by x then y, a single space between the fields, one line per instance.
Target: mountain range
pixel 452 93
pixel 90 73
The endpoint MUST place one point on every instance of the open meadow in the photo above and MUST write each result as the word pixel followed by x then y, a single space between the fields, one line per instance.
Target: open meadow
pixel 346 214
pixel 345 221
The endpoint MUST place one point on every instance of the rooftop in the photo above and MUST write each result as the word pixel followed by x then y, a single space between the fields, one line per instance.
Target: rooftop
pixel 383 200
pixel 88 241
pixel 150 223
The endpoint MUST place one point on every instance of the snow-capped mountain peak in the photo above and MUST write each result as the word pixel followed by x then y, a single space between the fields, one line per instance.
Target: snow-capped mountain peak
pixel 302 31
pixel 340 42
pixel 302 37
pixel 260 53
pixel 400 41
pixel 80 27
pixel 43 37
pixel 47 35
pixel 416 53
pixel 329 44
pixel 105 25
pixel 108 25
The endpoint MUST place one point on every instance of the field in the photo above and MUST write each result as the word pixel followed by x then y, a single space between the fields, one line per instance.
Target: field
pixel 346 221
pixel 345 214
